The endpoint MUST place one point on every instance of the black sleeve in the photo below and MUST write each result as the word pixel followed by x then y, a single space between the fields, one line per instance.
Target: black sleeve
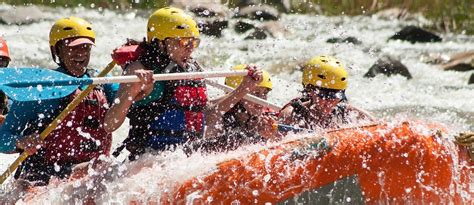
pixel 3 103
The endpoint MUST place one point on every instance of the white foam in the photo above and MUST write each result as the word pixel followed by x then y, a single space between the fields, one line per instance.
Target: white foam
pixel 431 95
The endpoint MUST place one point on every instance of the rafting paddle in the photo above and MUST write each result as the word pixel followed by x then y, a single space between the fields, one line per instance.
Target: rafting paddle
pixel 52 126
pixel 25 84
pixel 262 102
pixel 35 89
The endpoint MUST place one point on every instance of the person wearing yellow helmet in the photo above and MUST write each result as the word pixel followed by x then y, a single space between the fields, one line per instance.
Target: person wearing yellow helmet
pixel 166 114
pixel 245 122
pixel 324 103
pixel 81 137
pixel 70 41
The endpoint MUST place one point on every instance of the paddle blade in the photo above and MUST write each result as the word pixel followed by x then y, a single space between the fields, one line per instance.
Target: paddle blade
pixel 27 84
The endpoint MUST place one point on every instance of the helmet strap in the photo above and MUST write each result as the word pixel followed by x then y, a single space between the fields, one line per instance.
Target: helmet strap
pixel 55 54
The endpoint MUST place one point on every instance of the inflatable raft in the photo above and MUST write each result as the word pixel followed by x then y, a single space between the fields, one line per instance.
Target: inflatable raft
pixel 400 163
pixel 379 164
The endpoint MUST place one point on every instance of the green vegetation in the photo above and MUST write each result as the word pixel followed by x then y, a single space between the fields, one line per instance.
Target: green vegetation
pixel 448 15
pixel 111 4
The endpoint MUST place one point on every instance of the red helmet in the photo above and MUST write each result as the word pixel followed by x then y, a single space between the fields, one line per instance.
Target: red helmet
pixel 4 48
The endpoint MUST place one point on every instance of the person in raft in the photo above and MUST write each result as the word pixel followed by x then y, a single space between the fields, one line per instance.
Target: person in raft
pixel 4 61
pixel 170 113
pixel 246 122
pixel 323 103
pixel 81 136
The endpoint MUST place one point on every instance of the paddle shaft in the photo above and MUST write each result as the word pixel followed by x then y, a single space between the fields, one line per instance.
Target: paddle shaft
pixel 71 106
pixel 128 79
pixel 260 101
pixel 248 97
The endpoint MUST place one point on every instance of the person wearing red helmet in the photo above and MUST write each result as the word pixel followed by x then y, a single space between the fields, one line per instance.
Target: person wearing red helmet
pixel 4 53
pixel 4 61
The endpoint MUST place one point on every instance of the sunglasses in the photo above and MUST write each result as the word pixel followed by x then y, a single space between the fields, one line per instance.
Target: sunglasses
pixel 189 42
pixel 327 94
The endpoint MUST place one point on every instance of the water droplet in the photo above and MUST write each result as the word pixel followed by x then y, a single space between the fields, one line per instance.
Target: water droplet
pixel 57 168
pixel 210 199
pixel 267 178
pixel 407 190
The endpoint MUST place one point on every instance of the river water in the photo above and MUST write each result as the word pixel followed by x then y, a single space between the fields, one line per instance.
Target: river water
pixel 432 95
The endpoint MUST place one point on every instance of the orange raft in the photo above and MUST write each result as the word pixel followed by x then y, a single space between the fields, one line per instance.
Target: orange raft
pixel 377 164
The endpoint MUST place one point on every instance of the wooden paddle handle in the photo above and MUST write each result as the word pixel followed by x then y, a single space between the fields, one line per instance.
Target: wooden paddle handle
pixel 52 126
pixel 248 97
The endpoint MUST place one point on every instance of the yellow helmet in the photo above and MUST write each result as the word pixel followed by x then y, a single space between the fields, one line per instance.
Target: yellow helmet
pixel 69 28
pixel 325 72
pixel 171 22
pixel 235 81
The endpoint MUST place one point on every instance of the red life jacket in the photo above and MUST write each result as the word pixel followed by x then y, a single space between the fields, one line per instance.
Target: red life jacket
pixel 170 118
pixel 81 136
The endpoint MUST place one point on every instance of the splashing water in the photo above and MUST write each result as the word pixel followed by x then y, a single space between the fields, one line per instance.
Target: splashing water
pixel 432 95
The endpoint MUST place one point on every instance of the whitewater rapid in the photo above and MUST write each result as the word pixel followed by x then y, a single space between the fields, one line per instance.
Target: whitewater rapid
pixel 432 94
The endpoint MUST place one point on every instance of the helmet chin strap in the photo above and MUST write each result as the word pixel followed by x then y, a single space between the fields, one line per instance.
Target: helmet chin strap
pixel 53 54
pixel 56 57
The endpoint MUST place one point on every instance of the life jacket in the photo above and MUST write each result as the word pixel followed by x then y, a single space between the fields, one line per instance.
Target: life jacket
pixel 305 119
pixel 81 136
pixel 174 118
pixel 173 113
